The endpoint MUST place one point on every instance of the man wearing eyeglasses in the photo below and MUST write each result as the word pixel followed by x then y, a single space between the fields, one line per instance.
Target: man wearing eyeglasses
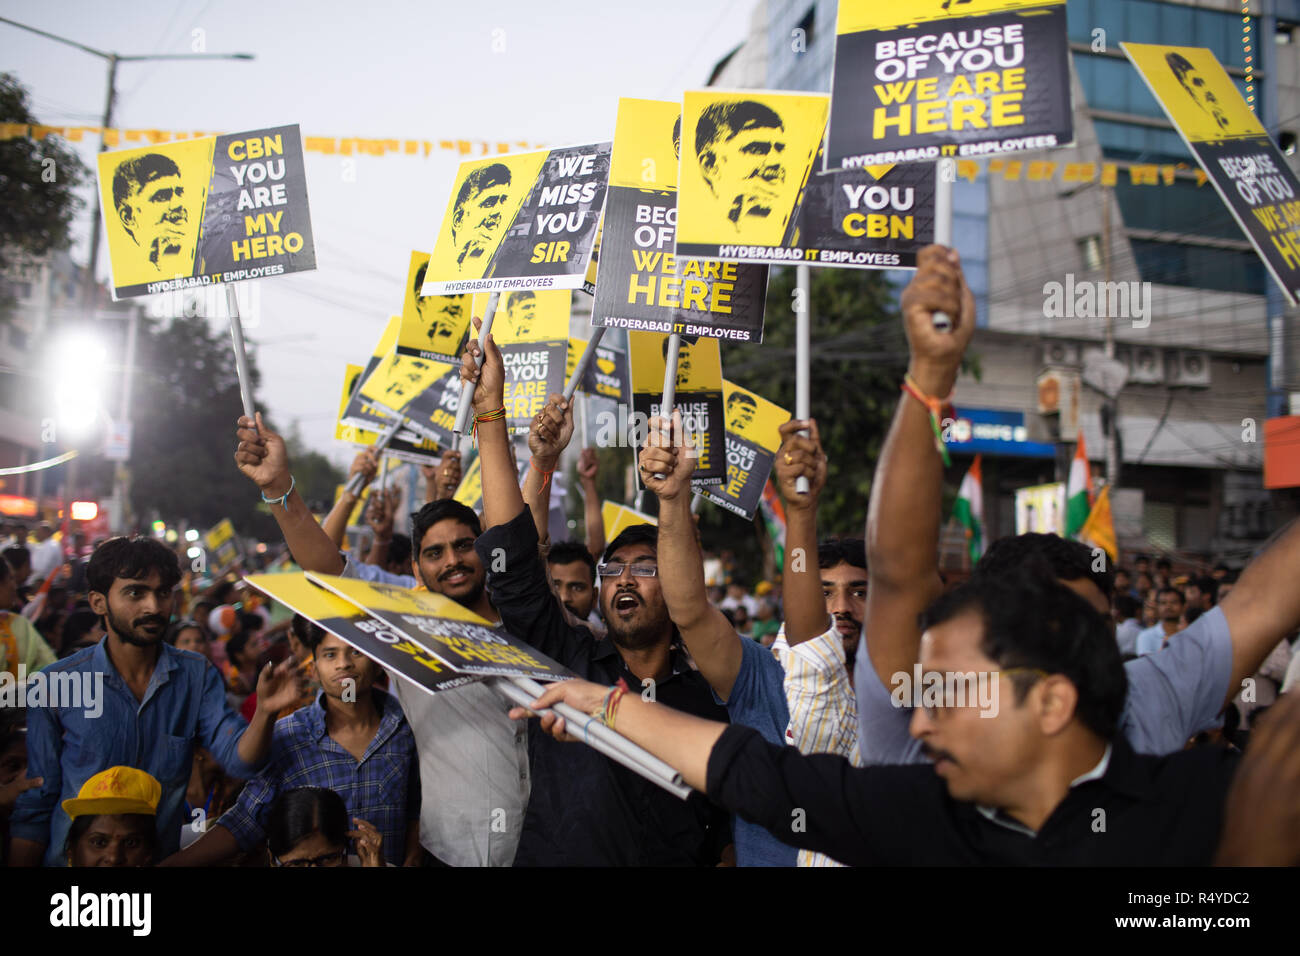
pixel 584 808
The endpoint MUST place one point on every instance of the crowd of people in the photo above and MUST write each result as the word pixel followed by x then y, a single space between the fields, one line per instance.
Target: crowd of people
pixel 854 708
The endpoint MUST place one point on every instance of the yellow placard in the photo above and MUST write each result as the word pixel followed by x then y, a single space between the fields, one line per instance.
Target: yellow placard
pixel 153 229
pixel 858 15
pixel 649 146
pixel 752 417
pixel 433 326
pixel 528 316
pixel 746 156
pixel 1195 91
pixel 618 518
pixel 699 363
pixel 485 199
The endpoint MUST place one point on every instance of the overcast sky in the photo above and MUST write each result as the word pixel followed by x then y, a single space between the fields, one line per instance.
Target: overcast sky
pixel 379 68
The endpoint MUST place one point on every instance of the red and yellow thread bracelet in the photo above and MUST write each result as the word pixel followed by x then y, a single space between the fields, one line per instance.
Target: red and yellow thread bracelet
pixel 935 407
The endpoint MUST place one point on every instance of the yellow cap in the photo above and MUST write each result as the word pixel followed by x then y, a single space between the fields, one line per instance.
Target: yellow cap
pixel 763 588
pixel 116 790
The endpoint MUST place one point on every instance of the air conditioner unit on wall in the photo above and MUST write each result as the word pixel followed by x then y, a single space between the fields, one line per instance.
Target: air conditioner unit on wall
pixel 1060 353
pixel 1189 369
pixel 1146 366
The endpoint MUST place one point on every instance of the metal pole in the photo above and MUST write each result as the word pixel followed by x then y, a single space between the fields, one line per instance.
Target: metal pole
pixel 944 174
pixel 696 500
pixel 623 751
pixel 610 736
pixel 1111 401
pixel 355 482
pixel 122 474
pixel 583 361
pixel 467 389
pixel 670 384
pixel 802 356
pixel 92 261
pixel 241 356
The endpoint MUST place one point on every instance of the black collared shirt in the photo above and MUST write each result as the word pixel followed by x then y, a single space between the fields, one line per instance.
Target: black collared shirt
pixel 1143 810
pixel 585 809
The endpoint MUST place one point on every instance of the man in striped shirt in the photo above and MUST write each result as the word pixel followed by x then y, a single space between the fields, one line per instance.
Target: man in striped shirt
pixel 824 610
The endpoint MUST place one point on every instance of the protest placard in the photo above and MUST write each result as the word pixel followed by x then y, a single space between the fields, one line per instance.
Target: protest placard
pixel 698 398
pixel 752 441
pixel 387 646
pixel 919 80
pixel 448 631
pixel 222 547
pixel 360 422
pixel 1247 169
pixel 750 188
pixel 199 212
pixel 532 332
pixel 617 518
pixel 642 284
pixel 606 375
pixel 434 327
pixel 520 221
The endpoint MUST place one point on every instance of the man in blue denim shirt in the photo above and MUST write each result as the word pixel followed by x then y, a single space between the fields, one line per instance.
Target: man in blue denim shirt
pixel 149 705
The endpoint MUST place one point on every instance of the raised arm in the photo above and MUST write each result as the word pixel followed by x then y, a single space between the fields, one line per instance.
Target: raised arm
pixel 593 520
pixel 262 457
pixel 379 515
pixel 502 499
pixel 548 436
pixel 1264 606
pixel 906 493
pixel 805 605
pixel 713 642
pixel 336 522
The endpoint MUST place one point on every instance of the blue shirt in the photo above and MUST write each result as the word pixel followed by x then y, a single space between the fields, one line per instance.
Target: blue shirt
pixel 758 700
pixel 1149 640
pixel 185 702
pixel 1172 697
pixel 383 788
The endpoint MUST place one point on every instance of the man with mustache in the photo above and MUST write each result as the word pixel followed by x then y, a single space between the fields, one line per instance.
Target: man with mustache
pixel 153 705
pixel 1194 83
pixel 479 213
pixel 1172 695
pixel 741 151
pixel 585 809
pixel 473 761
pixel 444 316
pixel 151 204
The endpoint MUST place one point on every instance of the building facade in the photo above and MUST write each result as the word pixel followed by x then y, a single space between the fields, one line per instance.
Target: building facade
pixel 1194 337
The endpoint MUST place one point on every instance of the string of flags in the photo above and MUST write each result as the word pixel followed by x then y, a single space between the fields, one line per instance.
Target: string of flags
pixel 968 170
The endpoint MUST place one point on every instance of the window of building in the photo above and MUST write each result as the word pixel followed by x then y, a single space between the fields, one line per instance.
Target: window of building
pixel 1199 267
pixel 1091 251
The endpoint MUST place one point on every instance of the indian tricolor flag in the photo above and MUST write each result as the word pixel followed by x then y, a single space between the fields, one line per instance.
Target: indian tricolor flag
pixel 774 519
pixel 1078 492
pixel 969 510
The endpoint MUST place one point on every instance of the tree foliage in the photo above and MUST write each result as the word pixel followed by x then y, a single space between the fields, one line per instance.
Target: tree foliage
pixel 859 355
pixel 38 179
pixel 186 400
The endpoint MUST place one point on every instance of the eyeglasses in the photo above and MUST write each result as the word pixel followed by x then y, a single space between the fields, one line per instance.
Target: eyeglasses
pixel 338 858
pixel 614 569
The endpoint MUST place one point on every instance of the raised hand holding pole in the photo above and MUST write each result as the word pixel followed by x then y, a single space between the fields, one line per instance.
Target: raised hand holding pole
pixel 467 389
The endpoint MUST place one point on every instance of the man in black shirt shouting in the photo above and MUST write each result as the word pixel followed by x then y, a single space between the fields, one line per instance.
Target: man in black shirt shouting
pixel 584 808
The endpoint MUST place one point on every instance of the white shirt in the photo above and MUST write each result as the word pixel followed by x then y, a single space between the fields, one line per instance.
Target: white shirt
pixel 46 556
pixel 474 779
